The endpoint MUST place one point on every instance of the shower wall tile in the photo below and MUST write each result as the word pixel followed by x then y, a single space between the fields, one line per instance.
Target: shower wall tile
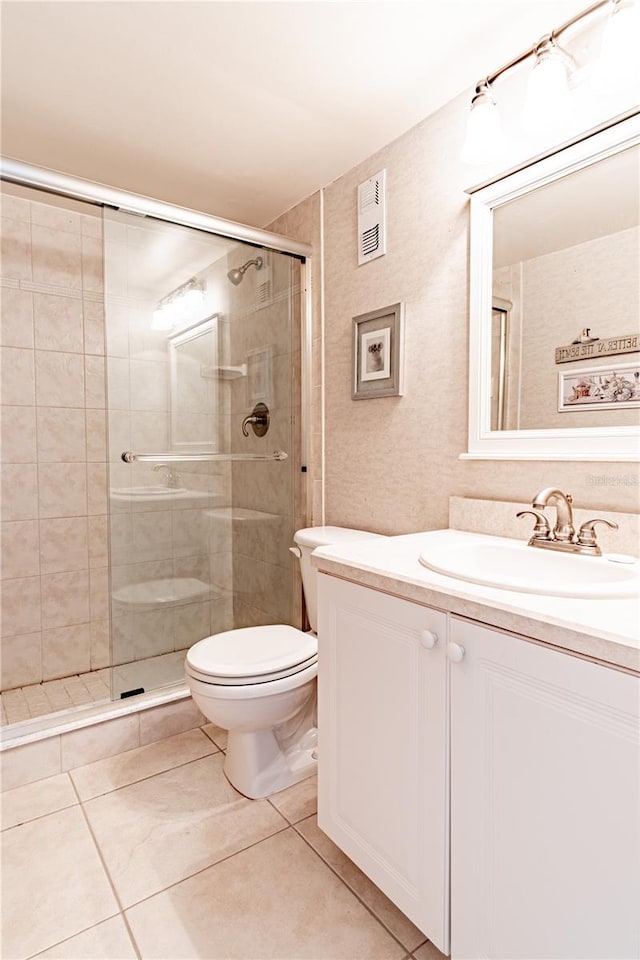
pixel 58 323
pixel 59 379
pixel 92 264
pixel 15 208
pixel 18 377
pixel 65 599
pixel 62 490
pixel 16 322
pixel 99 593
pixel 66 651
pixel 19 491
pixel 57 257
pixel 94 329
pixel 15 253
pixel 98 541
pixel 54 504
pixel 63 545
pixel 20 550
pixel 96 436
pixel 61 435
pixel 100 644
pixel 21 606
pixel 56 218
pixel 96 489
pixel 18 434
pixel 21 660
pixel 149 386
pixel 94 383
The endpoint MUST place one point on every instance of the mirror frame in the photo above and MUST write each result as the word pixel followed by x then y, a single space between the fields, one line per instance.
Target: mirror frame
pixel 583 443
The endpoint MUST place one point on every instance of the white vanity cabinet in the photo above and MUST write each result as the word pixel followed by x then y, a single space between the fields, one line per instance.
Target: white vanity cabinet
pixel 545 802
pixel 543 785
pixel 382 785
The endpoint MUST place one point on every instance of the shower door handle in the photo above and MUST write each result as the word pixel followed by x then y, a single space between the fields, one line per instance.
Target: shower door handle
pixel 259 420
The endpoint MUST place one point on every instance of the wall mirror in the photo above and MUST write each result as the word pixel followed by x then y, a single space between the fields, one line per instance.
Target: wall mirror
pixel 194 374
pixel 554 370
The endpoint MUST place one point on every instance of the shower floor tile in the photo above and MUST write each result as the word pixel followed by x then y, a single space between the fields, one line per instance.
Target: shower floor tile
pixel 39 699
pixel 197 870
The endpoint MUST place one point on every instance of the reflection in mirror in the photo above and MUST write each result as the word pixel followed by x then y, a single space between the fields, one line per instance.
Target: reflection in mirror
pixel 554 358
pixel 193 359
pixel 566 255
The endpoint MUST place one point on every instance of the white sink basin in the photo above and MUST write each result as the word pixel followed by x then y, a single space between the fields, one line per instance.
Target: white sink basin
pixel 157 490
pixel 510 565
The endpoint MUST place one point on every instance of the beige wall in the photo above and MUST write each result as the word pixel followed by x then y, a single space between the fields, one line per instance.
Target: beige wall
pixel 391 464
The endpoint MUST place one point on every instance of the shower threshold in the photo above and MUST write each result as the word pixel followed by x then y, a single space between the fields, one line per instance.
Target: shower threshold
pixel 28 730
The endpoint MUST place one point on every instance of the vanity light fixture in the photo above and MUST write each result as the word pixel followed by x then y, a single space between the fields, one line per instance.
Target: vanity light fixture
pixel 547 103
pixel 181 305
pixel 619 61
pixel 484 140
pixel 548 97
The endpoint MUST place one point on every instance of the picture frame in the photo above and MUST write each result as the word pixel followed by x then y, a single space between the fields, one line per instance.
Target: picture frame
pixel 599 388
pixel 378 353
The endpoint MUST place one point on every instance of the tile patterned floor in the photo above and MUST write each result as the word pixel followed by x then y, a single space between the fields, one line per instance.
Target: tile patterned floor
pixel 38 699
pixel 152 854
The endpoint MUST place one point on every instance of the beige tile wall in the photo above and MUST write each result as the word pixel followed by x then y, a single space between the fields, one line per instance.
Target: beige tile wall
pixel 54 555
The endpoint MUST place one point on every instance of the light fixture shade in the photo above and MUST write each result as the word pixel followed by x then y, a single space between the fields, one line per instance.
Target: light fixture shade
pixel 484 140
pixel 193 300
pixel 619 62
pixel 548 99
pixel 161 319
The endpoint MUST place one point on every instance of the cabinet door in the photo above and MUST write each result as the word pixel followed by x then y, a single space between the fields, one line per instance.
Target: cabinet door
pixel 545 811
pixel 382 783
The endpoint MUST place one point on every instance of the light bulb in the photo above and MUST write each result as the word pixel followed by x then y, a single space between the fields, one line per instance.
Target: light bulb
pixel 548 98
pixel 484 140
pixel 193 300
pixel 619 62
pixel 161 319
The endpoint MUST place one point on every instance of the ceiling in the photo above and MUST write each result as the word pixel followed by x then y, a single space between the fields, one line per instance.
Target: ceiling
pixel 241 108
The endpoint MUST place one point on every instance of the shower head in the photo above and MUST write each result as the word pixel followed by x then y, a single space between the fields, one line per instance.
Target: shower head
pixel 238 273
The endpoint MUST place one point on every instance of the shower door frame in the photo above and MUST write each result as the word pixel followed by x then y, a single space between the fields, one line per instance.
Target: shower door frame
pixel 41 178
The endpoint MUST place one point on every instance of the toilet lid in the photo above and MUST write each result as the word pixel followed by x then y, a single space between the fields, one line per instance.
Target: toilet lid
pixel 243 656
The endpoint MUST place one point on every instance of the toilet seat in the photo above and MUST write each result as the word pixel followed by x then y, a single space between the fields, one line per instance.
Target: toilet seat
pixel 251 655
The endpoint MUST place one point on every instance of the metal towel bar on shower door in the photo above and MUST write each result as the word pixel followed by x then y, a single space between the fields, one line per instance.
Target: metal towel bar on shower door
pixel 130 457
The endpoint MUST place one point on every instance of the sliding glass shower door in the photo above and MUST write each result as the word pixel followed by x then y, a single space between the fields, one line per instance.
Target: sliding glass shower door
pixel 202 346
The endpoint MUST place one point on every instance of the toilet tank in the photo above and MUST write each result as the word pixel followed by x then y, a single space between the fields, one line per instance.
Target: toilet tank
pixel 307 540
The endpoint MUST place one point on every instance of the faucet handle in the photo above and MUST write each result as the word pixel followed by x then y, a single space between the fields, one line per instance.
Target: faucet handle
pixel 587 535
pixel 542 530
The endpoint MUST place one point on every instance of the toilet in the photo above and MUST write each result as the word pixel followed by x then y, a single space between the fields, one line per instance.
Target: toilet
pixel 259 683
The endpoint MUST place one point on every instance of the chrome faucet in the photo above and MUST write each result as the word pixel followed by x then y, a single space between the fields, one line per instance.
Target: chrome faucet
pixel 171 476
pixel 564 529
pixel 562 537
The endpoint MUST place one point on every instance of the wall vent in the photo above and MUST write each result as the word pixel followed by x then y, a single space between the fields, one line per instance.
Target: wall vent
pixel 372 233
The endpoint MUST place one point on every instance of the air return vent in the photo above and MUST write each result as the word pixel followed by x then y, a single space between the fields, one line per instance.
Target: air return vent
pixel 372 239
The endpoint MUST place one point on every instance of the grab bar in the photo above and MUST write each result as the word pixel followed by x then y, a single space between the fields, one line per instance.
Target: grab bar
pixel 130 457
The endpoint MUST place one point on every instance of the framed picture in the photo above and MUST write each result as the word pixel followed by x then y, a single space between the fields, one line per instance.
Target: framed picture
pixel 599 388
pixel 378 353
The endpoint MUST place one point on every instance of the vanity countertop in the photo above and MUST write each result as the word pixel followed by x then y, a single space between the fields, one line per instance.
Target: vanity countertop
pixel 604 629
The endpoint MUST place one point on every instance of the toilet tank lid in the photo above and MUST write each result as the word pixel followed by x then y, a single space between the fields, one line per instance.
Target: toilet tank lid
pixel 322 536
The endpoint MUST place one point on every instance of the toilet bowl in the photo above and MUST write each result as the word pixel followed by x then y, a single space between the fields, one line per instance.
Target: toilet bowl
pixel 259 683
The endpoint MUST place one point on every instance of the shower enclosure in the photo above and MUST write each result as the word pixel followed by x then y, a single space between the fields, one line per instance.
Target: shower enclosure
pixel 188 334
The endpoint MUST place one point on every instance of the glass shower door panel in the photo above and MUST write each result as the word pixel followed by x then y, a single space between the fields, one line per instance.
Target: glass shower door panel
pixel 186 354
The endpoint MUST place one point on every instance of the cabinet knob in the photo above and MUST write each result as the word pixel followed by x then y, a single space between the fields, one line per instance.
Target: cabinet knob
pixel 455 652
pixel 428 639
